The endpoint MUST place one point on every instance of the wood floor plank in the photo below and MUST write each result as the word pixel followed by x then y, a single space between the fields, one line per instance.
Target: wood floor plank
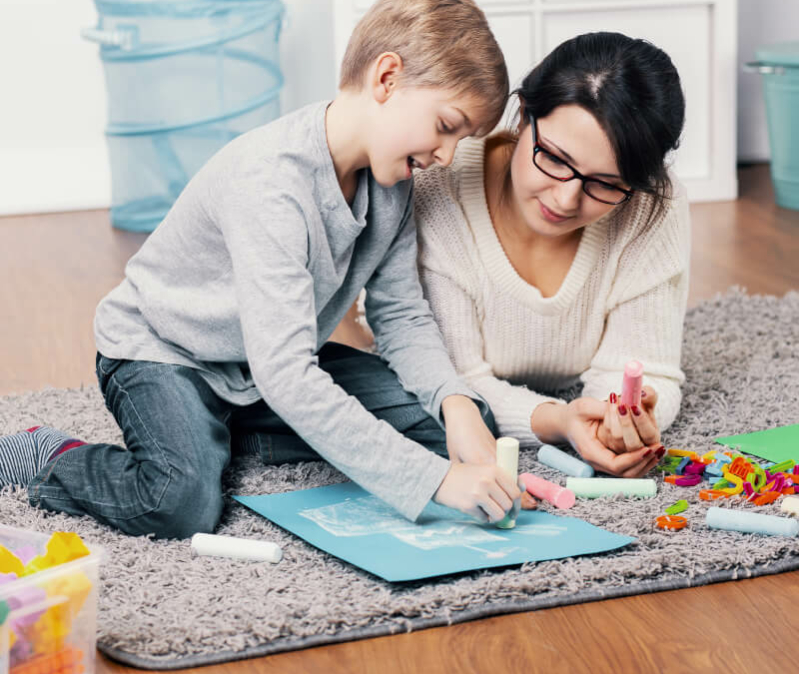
pixel 55 269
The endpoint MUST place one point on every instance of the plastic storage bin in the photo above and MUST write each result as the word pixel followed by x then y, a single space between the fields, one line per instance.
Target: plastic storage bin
pixel 48 619
pixel 779 65
pixel 183 77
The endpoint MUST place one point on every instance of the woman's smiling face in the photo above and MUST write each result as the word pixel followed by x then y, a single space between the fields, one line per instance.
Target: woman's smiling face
pixel 548 206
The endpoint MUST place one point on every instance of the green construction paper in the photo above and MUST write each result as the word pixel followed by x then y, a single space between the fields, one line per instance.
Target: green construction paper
pixel 774 444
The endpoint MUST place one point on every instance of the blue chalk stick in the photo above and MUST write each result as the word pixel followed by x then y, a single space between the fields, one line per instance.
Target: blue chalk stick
pixel 751 523
pixel 565 463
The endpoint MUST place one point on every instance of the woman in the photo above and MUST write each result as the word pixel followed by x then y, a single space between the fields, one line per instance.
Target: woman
pixel 557 253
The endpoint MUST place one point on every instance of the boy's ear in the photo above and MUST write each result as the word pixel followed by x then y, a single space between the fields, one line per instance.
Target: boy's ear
pixel 385 75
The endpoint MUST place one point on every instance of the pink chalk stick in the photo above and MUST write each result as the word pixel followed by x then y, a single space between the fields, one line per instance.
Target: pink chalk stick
pixel 631 385
pixel 558 496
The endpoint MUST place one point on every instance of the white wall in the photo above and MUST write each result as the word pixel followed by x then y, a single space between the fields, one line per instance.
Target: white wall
pixel 306 53
pixel 52 98
pixel 52 108
pixel 760 22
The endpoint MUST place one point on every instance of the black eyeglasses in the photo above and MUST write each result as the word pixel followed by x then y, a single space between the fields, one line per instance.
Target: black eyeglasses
pixel 556 168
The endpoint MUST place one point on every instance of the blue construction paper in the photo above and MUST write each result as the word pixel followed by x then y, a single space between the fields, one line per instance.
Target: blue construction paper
pixel 359 528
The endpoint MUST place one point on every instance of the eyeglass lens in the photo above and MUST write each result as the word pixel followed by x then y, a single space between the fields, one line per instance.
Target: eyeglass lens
pixel 556 168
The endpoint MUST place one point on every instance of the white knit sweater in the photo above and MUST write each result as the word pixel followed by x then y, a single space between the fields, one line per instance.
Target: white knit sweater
pixel 624 297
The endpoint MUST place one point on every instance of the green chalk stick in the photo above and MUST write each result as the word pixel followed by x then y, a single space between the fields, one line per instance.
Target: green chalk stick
pixel 594 487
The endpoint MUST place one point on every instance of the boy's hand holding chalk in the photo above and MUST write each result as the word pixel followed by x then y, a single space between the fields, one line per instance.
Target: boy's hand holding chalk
pixel 486 492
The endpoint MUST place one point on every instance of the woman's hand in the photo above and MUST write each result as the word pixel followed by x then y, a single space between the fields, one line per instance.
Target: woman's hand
pixel 578 423
pixel 626 430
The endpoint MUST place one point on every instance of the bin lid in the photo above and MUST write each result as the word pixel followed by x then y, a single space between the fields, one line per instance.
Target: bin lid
pixel 782 54
pixel 180 9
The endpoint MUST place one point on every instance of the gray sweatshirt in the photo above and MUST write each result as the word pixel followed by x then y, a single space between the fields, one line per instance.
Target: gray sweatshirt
pixel 251 271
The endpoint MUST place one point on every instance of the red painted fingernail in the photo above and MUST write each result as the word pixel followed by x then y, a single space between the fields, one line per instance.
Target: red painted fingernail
pixel 661 451
pixel 613 398
pixel 622 409
pixel 636 411
pixel 647 453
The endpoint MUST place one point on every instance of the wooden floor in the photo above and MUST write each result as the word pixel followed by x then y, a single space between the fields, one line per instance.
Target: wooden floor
pixel 56 267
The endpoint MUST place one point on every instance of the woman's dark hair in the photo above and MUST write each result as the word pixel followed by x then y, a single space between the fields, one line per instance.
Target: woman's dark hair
pixel 632 89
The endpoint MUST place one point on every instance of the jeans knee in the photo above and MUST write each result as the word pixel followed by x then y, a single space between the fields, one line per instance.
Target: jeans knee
pixel 190 507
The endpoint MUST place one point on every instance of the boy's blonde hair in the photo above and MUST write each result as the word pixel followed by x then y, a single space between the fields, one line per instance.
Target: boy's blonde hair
pixel 442 43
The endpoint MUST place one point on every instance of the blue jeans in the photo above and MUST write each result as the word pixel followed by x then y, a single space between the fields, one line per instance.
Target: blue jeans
pixel 179 436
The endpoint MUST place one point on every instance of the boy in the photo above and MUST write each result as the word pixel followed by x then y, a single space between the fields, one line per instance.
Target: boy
pixel 215 340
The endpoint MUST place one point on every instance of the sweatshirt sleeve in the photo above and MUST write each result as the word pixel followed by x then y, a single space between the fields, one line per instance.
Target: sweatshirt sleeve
pixel 275 295
pixel 406 335
pixel 646 313
pixel 457 315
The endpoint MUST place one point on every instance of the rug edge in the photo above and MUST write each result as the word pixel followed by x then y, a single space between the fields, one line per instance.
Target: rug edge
pixel 416 624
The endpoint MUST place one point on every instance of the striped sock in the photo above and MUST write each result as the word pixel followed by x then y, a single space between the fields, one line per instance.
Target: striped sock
pixel 24 454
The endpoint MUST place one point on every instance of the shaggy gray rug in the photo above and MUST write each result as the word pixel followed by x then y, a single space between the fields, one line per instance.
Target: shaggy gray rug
pixel 161 608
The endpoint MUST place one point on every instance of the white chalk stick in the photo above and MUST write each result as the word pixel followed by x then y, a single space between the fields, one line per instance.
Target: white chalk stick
pixel 237 548
pixel 508 456
pixel 790 505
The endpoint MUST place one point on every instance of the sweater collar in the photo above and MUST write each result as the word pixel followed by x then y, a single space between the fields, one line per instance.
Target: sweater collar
pixel 470 163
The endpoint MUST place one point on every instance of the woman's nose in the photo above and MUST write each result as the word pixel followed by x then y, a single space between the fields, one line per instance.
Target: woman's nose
pixel 567 196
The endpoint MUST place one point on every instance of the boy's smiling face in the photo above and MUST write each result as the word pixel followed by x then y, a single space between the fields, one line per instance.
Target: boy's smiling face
pixel 414 126
pixel 419 127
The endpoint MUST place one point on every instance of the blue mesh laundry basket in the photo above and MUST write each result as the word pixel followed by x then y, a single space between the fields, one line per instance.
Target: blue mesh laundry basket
pixel 183 78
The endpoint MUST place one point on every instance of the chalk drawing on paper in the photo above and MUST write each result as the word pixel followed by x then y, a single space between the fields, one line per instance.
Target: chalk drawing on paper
pixel 439 527
pixel 361 516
